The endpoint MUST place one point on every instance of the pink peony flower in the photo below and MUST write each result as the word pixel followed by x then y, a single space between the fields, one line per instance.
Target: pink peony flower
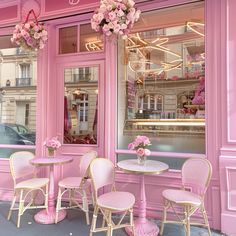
pixel 140 152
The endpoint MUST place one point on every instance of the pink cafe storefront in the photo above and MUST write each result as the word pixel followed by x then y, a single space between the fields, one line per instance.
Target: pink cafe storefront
pixel 172 79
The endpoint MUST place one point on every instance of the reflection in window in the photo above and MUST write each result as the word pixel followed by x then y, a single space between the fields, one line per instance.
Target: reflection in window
pixel 17 112
pixel 164 77
pixel 89 39
pixel 80 107
pixel 68 40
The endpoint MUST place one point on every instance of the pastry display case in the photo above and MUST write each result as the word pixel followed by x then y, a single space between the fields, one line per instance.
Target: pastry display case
pixel 165 126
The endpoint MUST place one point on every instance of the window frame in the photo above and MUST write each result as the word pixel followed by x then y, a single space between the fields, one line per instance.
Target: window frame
pixel 58 27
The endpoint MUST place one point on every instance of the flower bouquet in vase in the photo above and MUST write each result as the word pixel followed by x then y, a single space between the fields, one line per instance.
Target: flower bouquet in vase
pixel 52 145
pixel 140 144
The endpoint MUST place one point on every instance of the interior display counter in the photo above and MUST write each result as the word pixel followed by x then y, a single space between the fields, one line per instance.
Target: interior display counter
pixel 166 126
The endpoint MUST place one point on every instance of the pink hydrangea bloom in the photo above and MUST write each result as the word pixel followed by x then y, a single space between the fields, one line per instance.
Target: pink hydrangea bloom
pixel 115 17
pixel 52 143
pixel 30 35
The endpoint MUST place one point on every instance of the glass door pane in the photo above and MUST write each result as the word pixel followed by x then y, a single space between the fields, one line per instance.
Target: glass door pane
pixel 80 105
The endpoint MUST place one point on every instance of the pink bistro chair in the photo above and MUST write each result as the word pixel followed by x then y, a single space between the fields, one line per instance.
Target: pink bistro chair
pixel 26 189
pixel 77 186
pixel 102 172
pixel 196 176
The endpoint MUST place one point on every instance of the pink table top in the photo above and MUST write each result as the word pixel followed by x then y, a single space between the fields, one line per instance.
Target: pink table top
pixel 150 167
pixel 45 161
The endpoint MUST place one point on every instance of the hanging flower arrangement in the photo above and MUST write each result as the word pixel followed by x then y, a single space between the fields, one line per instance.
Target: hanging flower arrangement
pixel 30 35
pixel 115 17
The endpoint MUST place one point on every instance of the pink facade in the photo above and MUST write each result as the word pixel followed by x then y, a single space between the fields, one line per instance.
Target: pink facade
pixel 220 103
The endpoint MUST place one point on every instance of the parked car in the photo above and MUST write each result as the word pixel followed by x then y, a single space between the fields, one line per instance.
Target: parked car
pixel 16 134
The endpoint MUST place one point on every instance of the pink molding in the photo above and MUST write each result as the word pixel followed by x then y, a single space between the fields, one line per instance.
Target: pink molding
pixel 231 71
pixel 53 8
pixel 9 12
pixel 231 188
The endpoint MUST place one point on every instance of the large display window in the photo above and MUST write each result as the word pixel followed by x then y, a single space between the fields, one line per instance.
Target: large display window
pixel 18 84
pixel 161 82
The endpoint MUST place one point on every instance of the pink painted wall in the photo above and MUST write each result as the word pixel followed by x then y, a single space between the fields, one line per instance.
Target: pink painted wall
pixel 228 149
pixel 220 106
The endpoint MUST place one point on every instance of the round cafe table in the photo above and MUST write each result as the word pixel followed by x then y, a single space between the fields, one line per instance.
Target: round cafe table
pixel 143 227
pixel 48 216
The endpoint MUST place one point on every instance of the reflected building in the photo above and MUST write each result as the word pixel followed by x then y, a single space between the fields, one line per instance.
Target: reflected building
pixel 18 79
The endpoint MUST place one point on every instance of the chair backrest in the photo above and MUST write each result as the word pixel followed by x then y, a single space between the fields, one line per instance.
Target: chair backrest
pixel 196 174
pixel 20 164
pixel 85 161
pixel 102 172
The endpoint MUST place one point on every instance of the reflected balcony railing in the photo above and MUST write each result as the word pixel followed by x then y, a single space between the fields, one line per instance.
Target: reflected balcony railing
pixel 81 77
pixel 20 82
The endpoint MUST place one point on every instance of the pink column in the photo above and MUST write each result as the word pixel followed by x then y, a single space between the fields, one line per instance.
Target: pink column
pixel 143 227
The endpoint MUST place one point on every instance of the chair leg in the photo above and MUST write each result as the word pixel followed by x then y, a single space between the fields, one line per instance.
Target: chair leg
pixel 110 227
pixel 164 217
pixel 12 206
pixel 206 219
pixel 46 198
pixel 187 220
pixel 21 208
pixel 132 222
pixel 85 206
pixel 92 196
pixel 94 220
pixel 71 193
pixel 103 218
pixel 58 206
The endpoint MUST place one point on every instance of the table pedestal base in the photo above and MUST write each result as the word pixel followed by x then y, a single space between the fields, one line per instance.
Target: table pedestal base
pixel 143 229
pixel 43 217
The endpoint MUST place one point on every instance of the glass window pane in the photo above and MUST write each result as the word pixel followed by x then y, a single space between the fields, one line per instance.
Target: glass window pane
pixel 68 37
pixel 80 108
pixel 6 152
pixel 89 39
pixel 161 87
pixel 17 95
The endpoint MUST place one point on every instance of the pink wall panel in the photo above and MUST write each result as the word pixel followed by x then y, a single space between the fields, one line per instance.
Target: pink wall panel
pixel 231 81
pixel 53 5
pixel 8 12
